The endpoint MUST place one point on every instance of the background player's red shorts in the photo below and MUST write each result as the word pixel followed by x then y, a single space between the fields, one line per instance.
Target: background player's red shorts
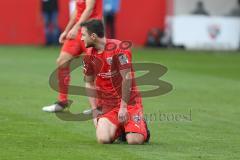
pixel 74 46
pixel 135 123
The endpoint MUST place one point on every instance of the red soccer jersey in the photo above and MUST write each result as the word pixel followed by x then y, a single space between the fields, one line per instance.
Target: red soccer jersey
pixel 97 10
pixel 105 67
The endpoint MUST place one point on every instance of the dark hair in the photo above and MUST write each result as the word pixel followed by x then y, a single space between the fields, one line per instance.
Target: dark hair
pixel 94 26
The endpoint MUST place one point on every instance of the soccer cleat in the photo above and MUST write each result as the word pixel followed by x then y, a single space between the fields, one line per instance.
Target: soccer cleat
pixel 57 106
pixel 87 111
pixel 122 138
pixel 94 112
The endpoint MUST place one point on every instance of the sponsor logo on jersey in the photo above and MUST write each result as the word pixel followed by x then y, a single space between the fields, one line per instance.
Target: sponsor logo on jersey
pixel 109 60
pixel 123 59
pixel 214 31
pixel 107 74
pixel 136 118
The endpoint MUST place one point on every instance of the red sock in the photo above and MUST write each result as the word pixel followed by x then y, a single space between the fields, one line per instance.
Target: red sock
pixel 63 83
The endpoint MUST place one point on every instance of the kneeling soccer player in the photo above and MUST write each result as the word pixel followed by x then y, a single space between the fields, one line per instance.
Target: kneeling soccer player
pixel 111 87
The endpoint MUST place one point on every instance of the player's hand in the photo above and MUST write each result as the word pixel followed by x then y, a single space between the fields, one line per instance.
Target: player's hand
pixel 123 115
pixel 72 34
pixel 62 37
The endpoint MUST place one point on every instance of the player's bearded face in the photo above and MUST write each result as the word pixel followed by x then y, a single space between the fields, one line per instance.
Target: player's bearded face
pixel 86 38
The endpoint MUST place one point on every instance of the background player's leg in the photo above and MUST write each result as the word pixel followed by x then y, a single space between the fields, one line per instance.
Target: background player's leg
pixel 106 131
pixel 70 49
pixel 135 138
pixel 63 63
pixel 46 16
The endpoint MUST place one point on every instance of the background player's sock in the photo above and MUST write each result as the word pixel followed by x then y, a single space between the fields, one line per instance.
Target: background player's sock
pixel 63 83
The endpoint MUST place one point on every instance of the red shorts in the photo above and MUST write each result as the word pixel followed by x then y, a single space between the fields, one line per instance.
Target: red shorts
pixel 135 123
pixel 74 46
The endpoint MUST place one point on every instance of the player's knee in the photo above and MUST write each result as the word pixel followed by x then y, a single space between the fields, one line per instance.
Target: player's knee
pixel 135 139
pixel 104 131
pixel 103 137
pixel 64 59
pixel 61 62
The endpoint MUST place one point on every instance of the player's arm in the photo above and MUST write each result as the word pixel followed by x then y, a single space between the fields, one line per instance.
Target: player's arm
pixel 71 21
pixel 91 91
pixel 126 89
pixel 87 12
pixel 89 79
pixel 69 26
pixel 85 16
pixel 123 62
pixel 126 86
pixel 90 86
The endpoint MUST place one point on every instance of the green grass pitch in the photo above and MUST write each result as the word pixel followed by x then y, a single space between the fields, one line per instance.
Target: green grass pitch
pixel 205 94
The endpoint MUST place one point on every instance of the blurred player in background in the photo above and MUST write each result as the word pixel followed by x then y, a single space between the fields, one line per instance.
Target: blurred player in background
pixel 200 9
pixel 111 87
pixel 72 47
pixel 50 16
pixel 110 10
